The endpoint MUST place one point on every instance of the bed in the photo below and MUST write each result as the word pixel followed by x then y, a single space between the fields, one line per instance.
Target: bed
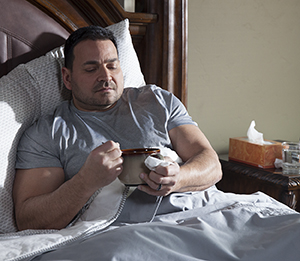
pixel 205 225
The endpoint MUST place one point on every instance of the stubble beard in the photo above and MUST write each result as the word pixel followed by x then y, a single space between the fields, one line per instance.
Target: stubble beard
pixel 106 101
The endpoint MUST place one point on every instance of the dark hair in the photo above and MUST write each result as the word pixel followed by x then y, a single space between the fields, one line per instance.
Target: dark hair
pixel 91 32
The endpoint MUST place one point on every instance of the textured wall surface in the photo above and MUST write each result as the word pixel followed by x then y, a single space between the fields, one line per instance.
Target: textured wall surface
pixel 243 65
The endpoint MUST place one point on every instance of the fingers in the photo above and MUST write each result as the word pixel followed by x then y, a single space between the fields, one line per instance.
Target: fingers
pixel 106 158
pixel 151 183
pixel 163 190
pixel 114 154
pixel 109 152
pixel 110 146
pixel 162 181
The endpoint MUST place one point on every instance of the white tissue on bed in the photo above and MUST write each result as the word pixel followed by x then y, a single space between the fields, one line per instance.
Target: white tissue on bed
pixel 255 136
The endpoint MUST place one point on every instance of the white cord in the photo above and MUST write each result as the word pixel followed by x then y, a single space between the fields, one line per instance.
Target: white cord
pixel 158 202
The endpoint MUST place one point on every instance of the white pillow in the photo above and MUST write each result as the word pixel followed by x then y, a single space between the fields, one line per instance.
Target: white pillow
pixel 130 65
pixel 34 89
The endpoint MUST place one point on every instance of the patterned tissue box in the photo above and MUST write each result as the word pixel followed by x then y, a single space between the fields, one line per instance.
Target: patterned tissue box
pixel 259 155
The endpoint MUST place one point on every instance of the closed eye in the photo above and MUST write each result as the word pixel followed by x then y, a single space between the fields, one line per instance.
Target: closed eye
pixel 91 69
pixel 112 66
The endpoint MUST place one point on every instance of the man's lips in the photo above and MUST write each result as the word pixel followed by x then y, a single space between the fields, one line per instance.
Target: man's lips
pixel 106 89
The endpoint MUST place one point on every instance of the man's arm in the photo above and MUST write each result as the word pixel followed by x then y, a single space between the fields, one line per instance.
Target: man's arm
pixel 44 201
pixel 201 169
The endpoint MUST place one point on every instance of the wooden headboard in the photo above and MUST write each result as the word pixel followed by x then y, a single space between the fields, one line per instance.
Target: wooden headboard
pixel 30 28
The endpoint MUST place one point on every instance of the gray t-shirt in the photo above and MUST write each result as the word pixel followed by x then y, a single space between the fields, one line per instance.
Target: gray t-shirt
pixel 141 118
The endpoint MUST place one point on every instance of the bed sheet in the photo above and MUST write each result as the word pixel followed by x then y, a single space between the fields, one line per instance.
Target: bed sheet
pixel 207 225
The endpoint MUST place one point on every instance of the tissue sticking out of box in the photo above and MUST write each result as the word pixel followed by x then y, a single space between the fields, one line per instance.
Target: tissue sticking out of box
pixel 254 150
pixel 255 136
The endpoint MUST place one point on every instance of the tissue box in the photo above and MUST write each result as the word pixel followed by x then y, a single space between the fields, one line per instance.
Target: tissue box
pixel 259 155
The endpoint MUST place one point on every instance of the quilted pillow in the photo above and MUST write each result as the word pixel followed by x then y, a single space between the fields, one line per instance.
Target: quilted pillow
pixel 34 89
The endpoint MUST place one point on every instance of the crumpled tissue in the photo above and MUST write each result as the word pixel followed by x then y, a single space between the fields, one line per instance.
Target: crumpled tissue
pixel 255 136
pixel 152 162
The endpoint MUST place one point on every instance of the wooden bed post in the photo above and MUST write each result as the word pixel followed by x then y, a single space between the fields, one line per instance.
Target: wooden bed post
pixel 165 63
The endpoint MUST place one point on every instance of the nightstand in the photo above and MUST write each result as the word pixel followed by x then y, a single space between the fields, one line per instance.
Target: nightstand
pixel 246 179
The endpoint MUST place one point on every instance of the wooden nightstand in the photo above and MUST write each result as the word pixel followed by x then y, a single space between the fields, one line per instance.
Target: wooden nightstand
pixel 246 179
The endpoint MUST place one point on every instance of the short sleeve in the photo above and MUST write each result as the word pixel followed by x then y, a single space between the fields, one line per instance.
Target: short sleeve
pixel 35 149
pixel 177 113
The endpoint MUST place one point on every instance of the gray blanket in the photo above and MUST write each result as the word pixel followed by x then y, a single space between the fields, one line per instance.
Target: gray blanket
pixel 209 225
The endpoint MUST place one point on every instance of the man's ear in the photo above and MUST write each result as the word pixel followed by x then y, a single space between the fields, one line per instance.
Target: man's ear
pixel 66 75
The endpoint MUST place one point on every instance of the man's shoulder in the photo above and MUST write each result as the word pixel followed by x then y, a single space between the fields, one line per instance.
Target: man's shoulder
pixel 43 126
pixel 149 89
pixel 61 111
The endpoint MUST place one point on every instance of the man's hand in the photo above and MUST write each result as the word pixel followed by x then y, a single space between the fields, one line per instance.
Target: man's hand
pixel 201 168
pixel 162 181
pixel 103 165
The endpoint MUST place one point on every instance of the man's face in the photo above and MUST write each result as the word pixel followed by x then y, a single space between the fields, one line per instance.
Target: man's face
pixel 96 78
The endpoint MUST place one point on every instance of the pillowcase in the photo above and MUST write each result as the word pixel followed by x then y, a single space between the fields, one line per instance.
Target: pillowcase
pixel 130 65
pixel 35 89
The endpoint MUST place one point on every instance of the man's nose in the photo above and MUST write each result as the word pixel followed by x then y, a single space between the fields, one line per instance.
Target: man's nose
pixel 104 75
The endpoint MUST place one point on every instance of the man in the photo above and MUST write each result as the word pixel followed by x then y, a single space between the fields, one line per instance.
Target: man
pixel 65 157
